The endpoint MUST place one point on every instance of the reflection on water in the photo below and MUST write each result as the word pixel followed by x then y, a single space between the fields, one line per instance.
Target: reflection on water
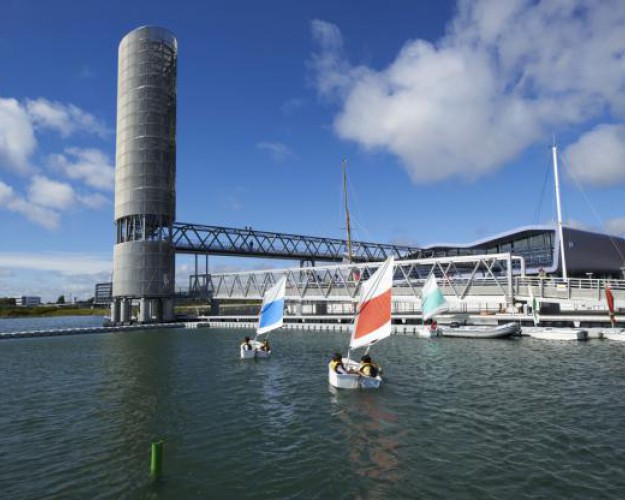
pixel 371 435
pixel 454 418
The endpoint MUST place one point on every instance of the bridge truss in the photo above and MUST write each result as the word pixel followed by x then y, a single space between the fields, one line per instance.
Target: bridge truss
pixel 458 277
pixel 217 240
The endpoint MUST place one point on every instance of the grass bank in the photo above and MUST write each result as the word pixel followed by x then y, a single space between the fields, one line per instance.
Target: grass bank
pixel 48 311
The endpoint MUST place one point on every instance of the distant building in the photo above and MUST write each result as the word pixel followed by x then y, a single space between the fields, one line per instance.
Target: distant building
pixel 587 252
pixel 103 293
pixel 27 301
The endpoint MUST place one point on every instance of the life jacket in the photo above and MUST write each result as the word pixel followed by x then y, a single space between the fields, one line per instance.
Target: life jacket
pixel 334 365
pixel 265 347
pixel 246 346
pixel 369 370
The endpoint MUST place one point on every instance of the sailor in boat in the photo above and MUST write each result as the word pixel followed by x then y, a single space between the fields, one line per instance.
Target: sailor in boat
pixel 367 367
pixel 265 347
pixel 246 345
pixel 337 366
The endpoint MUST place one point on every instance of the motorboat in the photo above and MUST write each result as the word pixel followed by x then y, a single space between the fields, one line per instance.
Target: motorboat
pixel 482 332
pixel 548 333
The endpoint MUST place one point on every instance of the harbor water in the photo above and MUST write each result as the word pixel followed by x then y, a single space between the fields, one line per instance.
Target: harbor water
pixel 455 418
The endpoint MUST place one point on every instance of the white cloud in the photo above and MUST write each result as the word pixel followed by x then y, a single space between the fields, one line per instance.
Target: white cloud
pixel 39 215
pixel 67 119
pixel 17 137
pixel 64 263
pixel 505 75
pixel 51 194
pixel 95 200
pixel 18 123
pixel 46 197
pixel 50 284
pixel 616 226
pixel 91 166
pixel 598 157
pixel 279 151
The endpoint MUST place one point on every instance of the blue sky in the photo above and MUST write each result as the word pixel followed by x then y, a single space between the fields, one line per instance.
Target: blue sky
pixel 445 111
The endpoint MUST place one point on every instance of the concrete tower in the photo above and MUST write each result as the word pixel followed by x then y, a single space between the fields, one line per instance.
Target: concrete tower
pixel 145 176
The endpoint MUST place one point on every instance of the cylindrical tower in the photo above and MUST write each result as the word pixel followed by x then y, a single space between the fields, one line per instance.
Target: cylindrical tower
pixel 145 175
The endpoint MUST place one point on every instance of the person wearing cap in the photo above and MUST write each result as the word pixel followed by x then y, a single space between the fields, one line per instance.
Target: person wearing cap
pixel 245 345
pixel 367 367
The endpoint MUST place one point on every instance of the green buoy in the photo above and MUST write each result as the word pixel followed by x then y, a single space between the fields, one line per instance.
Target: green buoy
pixel 156 464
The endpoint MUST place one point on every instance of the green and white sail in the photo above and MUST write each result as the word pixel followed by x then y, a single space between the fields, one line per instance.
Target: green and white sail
pixel 432 300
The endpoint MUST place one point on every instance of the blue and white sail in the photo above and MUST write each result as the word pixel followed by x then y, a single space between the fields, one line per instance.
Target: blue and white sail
pixel 432 300
pixel 272 311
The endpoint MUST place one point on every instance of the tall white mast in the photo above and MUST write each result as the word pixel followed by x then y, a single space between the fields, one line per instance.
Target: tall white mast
pixel 554 152
pixel 349 230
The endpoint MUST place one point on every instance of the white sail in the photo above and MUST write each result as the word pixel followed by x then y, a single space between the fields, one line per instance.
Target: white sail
pixel 373 320
pixel 432 300
pixel 272 311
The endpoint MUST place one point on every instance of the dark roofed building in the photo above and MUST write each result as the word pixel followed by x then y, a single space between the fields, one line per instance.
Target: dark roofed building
pixel 585 251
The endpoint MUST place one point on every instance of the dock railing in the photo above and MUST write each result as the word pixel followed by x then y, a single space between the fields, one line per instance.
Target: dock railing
pixel 489 275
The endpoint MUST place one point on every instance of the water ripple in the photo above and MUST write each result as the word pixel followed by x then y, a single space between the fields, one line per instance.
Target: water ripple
pixel 455 419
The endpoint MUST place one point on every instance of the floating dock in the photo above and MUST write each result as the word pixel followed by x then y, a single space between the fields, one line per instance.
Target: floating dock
pixel 56 332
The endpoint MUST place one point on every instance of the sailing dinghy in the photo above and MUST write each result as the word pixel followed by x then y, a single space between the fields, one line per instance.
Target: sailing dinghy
pixel 372 324
pixel 432 302
pixel 271 318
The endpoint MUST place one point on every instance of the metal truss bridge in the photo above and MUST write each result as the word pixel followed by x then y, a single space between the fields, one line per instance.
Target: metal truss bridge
pixel 469 282
pixel 248 242
pixel 460 277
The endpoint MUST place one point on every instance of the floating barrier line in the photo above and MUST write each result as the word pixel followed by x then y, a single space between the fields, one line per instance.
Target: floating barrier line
pixel 89 330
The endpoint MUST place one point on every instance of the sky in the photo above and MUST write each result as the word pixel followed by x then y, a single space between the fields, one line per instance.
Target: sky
pixel 446 112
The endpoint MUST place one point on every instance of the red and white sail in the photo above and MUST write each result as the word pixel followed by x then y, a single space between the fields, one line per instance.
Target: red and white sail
pixel 610 300
pixel 373 320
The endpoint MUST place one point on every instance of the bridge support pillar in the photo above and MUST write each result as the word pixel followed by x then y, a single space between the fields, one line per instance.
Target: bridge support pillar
pixel 144 310
pixel 125 310
pixel 214 307
pixel 115 311
pixel 168 310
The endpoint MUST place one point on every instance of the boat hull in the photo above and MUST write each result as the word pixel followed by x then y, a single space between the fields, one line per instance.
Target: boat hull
pixel 426 332
pixel 255 352
pixel 559 334
pixel 618 335
pixel 482 332
pixel 352 380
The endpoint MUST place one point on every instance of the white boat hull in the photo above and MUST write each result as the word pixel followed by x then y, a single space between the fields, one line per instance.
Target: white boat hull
pixel 426 332
pixel 352 380
pixel 255 352
pixel 559 334
pixel 618 335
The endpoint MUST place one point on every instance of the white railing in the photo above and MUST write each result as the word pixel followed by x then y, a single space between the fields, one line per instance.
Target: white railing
pixel 460 277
